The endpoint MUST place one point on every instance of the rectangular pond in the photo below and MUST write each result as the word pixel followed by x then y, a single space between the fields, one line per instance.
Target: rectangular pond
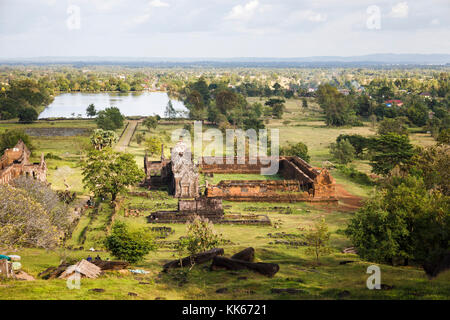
pixel 71 105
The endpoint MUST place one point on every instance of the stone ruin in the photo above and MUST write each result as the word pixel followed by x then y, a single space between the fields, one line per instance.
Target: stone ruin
pixel 180 175
pixel 16 162
pixel 301 181
pixel 210 208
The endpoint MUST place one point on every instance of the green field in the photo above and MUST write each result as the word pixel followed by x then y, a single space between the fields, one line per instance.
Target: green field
pixel 328 280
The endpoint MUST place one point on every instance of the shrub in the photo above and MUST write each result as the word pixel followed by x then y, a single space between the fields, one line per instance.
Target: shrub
pixel 128 245
pixel 9 139
pixel 153 145
pixel 355 175
pixel 299 149
pixel 28 115
pixel 110 119
pixel 404 220
pixel 318 239
pixel 357 141
pixel 396 125
pixel 342 151
pixel 201 236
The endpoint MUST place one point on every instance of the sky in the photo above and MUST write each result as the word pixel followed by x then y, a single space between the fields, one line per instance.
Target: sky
pixel 222 28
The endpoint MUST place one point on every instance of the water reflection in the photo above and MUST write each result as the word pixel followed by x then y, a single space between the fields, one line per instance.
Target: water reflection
pixel 130 104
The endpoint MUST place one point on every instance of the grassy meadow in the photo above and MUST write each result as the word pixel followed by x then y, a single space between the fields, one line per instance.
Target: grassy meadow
pixel 329 279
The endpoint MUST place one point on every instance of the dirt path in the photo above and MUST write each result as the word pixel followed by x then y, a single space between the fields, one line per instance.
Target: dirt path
pixel 126 137
pixel 348 201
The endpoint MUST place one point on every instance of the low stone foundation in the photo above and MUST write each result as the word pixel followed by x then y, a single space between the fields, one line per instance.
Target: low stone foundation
pixel 210 208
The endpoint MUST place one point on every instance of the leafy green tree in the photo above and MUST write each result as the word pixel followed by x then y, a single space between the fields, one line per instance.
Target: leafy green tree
pixel 103 138
pixel 28 115
pixel 277 89
pixel 123 87
pixel 389 151
pixel 108 172
pixel 343 151
pixel 444 136
pixel 358 142
pixel 396 125
pixel 201 236
pixel 150 122
pixel 403 220
pixel 129 245
pixel 153 145
pixel 431 164
pixel 318 239
pixel 298 149
pixel 195 102
pixel 110 119
pixel 305 103
pixel 9 139
pixel 363 106
pixel 416 111
pixel 336 107
pixel 170 112
pixel 91 111
pixel 277 106
pixel 140 137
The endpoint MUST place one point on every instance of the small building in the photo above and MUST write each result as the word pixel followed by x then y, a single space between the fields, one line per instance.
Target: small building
pixel 425 95
pixel 390 103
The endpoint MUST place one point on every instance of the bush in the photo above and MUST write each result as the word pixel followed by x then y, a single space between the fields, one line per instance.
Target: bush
pixel 342 151
pixel 9 139
pixel 357 141
pixel 404 220
pixel 355 175
pixel 128 245
pixel 318 239
pixel 396 125
pixel 140 138
pixel 28 115
pixel 299 149
pixel 153 145
pixel 201 236
pixel 110 119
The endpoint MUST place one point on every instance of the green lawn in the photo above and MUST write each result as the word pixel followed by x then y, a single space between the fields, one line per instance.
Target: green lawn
pixel 329 280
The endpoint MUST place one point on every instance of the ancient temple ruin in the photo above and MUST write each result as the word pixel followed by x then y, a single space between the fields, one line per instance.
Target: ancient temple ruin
pixel 184 181
pixel 179 174
pixel 16 162
pixel 299 180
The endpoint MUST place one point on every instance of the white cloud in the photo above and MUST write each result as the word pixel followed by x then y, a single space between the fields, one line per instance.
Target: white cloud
pixel 141 19
pixel 314 16
pixel 305 15
pixel 243 12
pixel 158 4
pixel 435 22
pixel 400 10
pixel 147 12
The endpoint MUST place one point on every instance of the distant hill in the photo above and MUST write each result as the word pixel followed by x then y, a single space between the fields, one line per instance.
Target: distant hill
pixel 384 59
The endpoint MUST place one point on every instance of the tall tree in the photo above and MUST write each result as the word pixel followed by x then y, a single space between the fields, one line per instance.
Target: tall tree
pixel 389 151
pixel 90 111
pixel 108 172
pixel 110 119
